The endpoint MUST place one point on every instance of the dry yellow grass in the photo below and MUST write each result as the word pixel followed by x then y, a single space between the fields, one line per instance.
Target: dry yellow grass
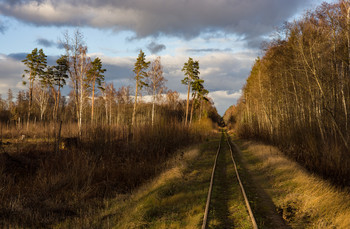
pixel 128 211
pixel 176 167
pixel 305 200
pixel 40 187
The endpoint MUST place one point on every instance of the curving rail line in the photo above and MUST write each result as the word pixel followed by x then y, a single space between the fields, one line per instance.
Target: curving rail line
pixel 205 218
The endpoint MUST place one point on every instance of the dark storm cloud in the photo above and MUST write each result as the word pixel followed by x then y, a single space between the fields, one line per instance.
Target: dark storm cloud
pixel 51 60
pixel 117 72
pixel 155 48
pixel 18 56
pixel 49 44
pixel 46 43
pixel 181 18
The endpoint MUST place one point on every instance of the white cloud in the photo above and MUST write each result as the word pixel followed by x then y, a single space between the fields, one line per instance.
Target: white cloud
pixel 11 72
pixel 224 99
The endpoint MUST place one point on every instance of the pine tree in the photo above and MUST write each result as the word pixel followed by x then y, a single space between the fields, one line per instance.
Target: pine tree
pixel 94 75
pixel 140 68
pixel 36 64
pixel 60 74
pixel 191 71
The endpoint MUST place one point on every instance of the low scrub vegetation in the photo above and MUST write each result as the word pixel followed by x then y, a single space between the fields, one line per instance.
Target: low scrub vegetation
pixel 304 200
pixel 41 186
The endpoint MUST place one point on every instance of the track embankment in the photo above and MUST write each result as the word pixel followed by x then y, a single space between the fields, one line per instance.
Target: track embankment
pixel 302 199
pixel 280 193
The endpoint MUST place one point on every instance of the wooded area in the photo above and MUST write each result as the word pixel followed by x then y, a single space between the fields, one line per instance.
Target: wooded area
pixel 94 101
pixel 298 94
pixel 63 156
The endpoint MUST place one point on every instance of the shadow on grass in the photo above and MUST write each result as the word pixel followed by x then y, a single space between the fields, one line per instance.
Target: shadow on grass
pixel 178 202
pixel 264 209
pixel 222 193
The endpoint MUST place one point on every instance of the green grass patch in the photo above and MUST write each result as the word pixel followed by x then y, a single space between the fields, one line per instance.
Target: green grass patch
pixel 227 209
pixel 259 195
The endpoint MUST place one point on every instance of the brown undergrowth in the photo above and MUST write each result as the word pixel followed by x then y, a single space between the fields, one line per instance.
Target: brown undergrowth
pixel 303 199
pixel 40 187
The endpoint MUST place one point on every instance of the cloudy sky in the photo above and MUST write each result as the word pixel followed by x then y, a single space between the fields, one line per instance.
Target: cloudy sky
pixel 223 35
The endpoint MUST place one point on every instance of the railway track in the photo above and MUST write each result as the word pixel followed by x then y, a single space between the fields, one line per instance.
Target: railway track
pixel 225 138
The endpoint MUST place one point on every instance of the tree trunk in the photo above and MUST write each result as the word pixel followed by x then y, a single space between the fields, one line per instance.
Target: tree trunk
pixel 188 102
pixel 81 97
pixel 135 104
pixel 106 108
pixel 153 103
pixel 92 101
pixel 54 112
pixel 41 112
pixel 118 114
pixel 110 112
pixel 192 107
pixel 58 103
pixel 266 114
pixel 30 103
pixel 77 106
pixel 200 110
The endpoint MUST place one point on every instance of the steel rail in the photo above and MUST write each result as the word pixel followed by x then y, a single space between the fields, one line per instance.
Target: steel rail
pixel 205 217
pixel 255 226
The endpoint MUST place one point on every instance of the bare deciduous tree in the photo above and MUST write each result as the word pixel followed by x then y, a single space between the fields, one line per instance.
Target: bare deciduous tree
pixel 156 83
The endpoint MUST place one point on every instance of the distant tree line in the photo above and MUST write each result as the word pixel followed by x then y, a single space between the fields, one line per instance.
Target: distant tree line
pixel 94 101
pixel 298 94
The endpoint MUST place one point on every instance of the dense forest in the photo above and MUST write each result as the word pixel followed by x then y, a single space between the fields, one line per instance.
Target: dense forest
pixel 298 94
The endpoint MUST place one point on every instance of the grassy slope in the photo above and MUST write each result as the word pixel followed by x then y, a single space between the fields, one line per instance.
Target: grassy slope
pixel 276 188
pixel 175 199
pixel 263 208
pixel 302 199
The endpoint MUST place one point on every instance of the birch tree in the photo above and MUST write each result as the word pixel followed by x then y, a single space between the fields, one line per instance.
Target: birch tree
pixel 109 95
pixel 172 98
pixel 41 95
pixel 79 65
pixel 124 101
pixel 298 93
pixel 156 83
pixel 83 66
